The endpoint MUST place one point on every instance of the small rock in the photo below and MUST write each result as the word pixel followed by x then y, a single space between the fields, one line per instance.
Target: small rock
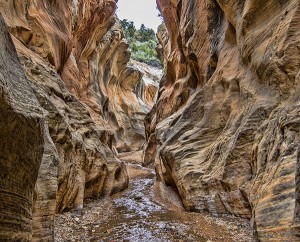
pixel 138 198
pixel 35 71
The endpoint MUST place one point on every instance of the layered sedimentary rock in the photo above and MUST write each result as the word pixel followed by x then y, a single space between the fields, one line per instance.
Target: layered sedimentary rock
pixel 225 129
pixel 84 43
pixel 22 128
pixel 75 59
pixel 80 164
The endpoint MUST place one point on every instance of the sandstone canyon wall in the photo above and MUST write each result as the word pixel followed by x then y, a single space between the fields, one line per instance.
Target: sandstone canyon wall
pixel 22 125
pixel 225 130
pixel 86 105
pixel 83 42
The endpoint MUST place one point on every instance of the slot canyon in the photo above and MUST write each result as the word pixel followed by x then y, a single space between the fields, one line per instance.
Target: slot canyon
pixel 96 146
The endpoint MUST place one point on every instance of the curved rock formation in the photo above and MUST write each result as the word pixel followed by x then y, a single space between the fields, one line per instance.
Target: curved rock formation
pixel 75 59
pixel 22 126
pixel 225 129
pixel 84 43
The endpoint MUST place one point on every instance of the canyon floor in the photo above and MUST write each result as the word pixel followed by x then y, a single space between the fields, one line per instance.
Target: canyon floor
pixel 146 211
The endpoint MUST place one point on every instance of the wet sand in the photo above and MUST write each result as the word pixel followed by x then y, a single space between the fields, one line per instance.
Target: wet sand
pixel 146 211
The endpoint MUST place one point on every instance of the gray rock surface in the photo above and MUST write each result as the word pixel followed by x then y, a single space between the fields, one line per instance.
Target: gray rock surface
pixel 22 128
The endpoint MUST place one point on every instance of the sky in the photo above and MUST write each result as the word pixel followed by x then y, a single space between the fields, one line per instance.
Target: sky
pixel 140 12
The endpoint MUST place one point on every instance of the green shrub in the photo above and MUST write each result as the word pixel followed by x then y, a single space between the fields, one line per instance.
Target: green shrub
pixel 142 43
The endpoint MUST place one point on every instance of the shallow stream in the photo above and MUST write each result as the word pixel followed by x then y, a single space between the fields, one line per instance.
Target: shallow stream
pixel 135 215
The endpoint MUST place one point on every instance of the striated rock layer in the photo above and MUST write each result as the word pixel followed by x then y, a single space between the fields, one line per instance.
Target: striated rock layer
pixel 75 59
pixel 22 125
pixel 83 41
pixel 226 126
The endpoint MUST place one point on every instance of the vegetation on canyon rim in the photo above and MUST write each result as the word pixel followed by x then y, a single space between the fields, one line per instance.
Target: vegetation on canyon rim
pixel 221 129
pixel 142 43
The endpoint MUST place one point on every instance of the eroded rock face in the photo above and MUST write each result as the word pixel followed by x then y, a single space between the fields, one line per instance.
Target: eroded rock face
pixel 80 164
pixel 22 127
pixel 75 58
pixel 225 129
pixel 84 43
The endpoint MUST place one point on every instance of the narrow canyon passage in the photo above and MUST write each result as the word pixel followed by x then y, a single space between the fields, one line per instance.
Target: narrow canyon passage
pixel 146 211
pixel 112 131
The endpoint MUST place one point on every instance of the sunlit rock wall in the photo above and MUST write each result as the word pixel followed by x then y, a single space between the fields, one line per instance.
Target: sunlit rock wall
pixel 85 44
pixel 225 129
pixel 75 59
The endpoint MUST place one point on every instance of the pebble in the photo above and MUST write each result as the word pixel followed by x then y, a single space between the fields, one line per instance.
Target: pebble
pixel 98 220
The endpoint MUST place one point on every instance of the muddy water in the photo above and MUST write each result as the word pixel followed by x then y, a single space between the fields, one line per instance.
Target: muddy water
pixel 135 216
